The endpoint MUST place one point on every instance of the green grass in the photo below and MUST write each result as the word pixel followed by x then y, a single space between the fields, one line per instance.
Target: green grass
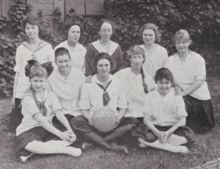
pixel 206 148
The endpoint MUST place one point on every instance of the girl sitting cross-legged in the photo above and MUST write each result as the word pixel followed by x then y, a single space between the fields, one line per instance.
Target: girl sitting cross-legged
pixel 106 91
pixel 36 133
pixel 164 118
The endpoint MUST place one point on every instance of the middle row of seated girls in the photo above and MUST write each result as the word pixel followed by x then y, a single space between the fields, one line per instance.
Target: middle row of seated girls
pixel 164 111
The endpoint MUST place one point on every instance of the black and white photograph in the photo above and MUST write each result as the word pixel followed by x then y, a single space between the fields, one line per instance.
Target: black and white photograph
pixel 109 84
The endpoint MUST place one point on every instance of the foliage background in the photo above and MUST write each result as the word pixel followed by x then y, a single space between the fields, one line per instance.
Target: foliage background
pixel 200 17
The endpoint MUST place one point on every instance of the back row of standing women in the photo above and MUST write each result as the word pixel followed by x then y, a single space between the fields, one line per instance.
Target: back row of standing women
pixel 187 67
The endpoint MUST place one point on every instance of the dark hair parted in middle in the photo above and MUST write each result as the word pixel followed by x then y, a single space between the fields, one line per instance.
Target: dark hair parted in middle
pixel 101 56
pixel 106 21
pixel 61 51
pixel 164 73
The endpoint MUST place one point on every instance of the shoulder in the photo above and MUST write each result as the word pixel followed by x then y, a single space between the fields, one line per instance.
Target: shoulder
pixel 172 57
pixel 62 44
pixel 77 72
pixel 80 46
pixel 116 80
pixel 196 56
pixel 161 48
pixel 122 72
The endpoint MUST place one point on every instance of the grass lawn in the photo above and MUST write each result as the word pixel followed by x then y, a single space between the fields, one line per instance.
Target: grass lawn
pixel 205 150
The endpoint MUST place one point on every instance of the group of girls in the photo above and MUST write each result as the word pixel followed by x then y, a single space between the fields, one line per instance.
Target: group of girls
pixel 160 101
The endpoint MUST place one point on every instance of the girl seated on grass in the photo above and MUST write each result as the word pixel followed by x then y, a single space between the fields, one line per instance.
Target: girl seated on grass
pixel 36 134
pixel 164 117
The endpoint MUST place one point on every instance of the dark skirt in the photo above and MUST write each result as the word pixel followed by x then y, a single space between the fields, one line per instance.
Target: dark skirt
pixel 15 116
pixel 59 125
pixel 81 125
pixel 37 133
pixel 144 132
pixel 200 114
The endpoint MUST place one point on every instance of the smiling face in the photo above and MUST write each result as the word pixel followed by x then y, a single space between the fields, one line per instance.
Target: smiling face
pixel 148 36
pixel 137 60
pixel 182 46
pixel 164 86
pixel 38 83
pixel 103 67
pixel 74 34
pixel 63 62
pixel 32 31
pixel 105 31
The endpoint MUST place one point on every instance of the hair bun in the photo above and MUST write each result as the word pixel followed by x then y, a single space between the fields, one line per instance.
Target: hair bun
pixel 48 67
pixel 29 66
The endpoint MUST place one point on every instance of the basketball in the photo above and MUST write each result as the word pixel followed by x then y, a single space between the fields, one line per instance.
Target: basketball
pixel 104 119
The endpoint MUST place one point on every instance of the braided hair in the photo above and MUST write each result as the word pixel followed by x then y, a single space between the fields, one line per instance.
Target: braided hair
pixel 136 50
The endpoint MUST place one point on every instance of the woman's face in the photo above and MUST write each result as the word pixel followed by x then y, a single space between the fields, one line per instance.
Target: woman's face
pixel 105 31
pixel 182 46
pixel 103 67
pixel 164 86
pixel 148 36
pixel 38 83
pixel 137 60
pixel 32 31
pixel 74 33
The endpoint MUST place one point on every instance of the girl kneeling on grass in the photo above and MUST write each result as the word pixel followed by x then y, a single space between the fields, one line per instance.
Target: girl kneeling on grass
pixel 164 117
pixel 36 134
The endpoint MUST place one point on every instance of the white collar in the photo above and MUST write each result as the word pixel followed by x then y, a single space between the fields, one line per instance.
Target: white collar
pixel 99 48
pixel 95 79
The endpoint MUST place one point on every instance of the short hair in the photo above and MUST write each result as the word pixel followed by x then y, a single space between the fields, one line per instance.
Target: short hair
pixel 106 21
pixel 164 73
pixel 34 69
pixel 31 20
pixel 136 50
pixel 181 35
pixel 152 27
pixel 101 56
pixel 61 51
pixel 75 24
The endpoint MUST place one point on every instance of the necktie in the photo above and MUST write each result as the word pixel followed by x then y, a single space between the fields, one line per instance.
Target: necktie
pixel 42 108
pixel 105 95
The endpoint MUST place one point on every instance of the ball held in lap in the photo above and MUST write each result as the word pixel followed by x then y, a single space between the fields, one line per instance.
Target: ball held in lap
pixel 104 119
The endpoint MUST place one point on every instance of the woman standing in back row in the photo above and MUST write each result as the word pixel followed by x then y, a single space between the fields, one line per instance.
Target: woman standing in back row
pixel 189 72
pixel 104 44
pixel 156 55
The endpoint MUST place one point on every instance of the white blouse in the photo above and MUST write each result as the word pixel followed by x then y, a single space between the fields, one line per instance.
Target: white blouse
pixel 91 95
pixel 134 90
pixel 164 111
pixel 186 73
pixel 68 91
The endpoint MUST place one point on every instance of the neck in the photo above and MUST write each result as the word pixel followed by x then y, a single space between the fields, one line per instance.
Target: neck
pixel 105 42
pixel 149 46
pixel 183 55
pixel 64 73
pixel 103 78
pixel 41 92
pixel 34 40
pixel 71 43
pixel 136 70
